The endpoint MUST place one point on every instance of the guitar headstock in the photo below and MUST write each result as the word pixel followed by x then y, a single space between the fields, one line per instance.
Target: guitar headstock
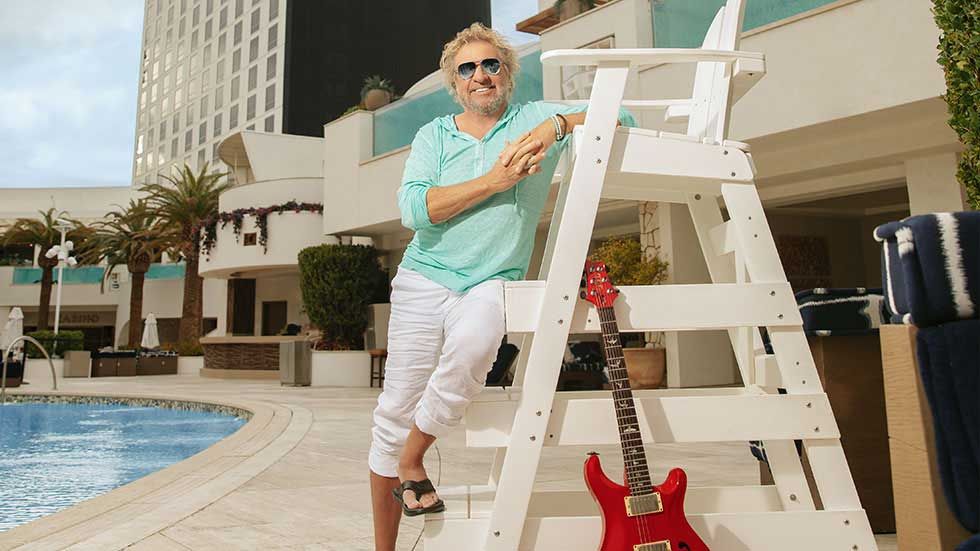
pixel 598 289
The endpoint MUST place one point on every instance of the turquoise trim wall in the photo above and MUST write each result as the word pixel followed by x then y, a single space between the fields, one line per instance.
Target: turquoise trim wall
pixel 683 23
pixel 396 126
pixel 92 275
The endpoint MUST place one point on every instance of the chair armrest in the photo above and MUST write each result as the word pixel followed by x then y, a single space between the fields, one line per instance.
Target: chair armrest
pixel 638 57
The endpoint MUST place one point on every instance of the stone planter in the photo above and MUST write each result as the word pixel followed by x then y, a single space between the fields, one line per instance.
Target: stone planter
pixel 376 99
pixel 78 363
pixel 190 365
pixel 647 367
pixel 343 368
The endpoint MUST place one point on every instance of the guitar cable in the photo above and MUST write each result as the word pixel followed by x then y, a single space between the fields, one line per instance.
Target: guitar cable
pixel 438 483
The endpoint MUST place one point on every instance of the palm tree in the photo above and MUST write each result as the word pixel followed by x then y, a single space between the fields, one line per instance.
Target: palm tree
pixel 133 235
pixel 43 232
pixel 184 204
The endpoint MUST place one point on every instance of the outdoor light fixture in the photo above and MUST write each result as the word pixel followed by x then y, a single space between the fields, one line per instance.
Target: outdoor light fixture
pixel 63 253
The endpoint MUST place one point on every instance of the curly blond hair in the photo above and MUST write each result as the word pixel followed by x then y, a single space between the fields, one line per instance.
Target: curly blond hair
pixel 478 32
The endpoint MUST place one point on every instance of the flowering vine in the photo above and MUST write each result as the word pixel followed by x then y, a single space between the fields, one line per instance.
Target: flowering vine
pixel 209 227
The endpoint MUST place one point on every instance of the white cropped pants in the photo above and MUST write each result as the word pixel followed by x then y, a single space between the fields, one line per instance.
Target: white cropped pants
pixel 441 345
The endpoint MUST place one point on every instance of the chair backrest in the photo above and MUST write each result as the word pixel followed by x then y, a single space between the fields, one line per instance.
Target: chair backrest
pixel 711 108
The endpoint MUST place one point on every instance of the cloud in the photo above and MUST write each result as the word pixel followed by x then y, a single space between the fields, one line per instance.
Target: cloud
pixel 69 91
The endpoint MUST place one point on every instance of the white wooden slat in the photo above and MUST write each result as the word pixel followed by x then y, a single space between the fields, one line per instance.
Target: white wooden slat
pixel 476 501
pixel 649 152
pixel 520 465
pixel 746 73
pixel 663 419
pixel 788 476
pixel 767 371
pixel 677 114
pixel 723 238
pixel 652 105
pixel 676 307
pixel 797 531
pixel 638 57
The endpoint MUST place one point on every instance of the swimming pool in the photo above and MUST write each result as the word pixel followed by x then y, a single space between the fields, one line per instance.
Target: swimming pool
pixel 53 455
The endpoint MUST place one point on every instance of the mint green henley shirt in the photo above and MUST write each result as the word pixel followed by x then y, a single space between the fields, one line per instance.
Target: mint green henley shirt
pixel 490 240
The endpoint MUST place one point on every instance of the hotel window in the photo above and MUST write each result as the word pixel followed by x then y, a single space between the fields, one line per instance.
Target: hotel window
pixel 270 67
pixel 175 127
pixel 214 155
pixel 194 40
pixel 189 118
pixel 178 98
pixel 256 20
pixel 219 97
pixel 173 148
pixel 204 106
pixel 236 85
pixel 188 140
pixel 208 29
pixel 270 96
pixel 196 17
pixel 222 43
pixel 156 70
pixel 236 61
pixel 162 155
pixel 139 145
pixel 223 18
pixel 194 64
pixel 180 73
pixel 163 130
pixel 149 160
pixel 143 99
pixel 253 77
pixel 238 33
pixel 149 139
pixel 181 50
pixel 217 125
pixel 233 117
pixel 219 72
pixel 270 123
pixel 253 49
pixel 273 36
pixel 170 15
pixel 205 80
pixel 250 108
pixel 182 27
pixel 210 5
pixel 183 6
pixel 202 133
pixel 273 9
pixel 170 37
pixel 207 55
pixel 200 159
pixel 153 92
pixel 239 8
pixel 168 61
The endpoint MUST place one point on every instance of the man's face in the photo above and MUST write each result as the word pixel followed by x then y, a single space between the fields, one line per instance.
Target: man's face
pixel 484 94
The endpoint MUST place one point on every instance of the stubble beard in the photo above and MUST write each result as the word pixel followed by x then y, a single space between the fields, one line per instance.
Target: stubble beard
pixel 490 107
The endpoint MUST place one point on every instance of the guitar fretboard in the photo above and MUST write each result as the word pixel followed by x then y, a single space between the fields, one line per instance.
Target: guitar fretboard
pixel 634 456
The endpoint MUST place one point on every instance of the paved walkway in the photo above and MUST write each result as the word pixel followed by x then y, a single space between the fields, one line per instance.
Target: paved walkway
pixel 296 478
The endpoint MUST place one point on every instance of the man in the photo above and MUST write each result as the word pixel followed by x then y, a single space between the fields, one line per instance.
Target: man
pixel 473 190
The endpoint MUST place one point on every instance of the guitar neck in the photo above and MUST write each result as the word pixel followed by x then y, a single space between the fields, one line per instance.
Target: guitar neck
pixel 634 456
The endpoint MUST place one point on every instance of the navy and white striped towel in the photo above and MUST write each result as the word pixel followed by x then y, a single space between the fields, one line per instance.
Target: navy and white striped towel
pixel 931 267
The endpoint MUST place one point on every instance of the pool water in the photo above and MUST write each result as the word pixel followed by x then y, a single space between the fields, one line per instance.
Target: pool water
pixel 55 455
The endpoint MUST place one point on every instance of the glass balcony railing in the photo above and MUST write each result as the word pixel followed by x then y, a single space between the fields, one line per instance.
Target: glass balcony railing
pixel 683 23
pixel 395 126
pixel 92 275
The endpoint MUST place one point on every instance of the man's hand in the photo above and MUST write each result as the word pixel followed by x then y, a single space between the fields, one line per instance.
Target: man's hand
pixel 517 161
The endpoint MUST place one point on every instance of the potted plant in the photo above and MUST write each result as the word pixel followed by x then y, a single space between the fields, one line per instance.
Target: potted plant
pixel 623 256
pixel 568 9
pixel 376 92
pixel 338 283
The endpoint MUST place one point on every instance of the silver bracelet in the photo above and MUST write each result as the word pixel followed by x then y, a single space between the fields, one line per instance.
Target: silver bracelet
pixel 558 130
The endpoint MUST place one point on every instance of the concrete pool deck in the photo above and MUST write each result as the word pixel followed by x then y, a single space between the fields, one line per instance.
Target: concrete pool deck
pixel 295 476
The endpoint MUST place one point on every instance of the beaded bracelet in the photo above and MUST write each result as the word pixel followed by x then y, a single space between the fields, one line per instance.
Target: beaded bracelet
pixel 558 133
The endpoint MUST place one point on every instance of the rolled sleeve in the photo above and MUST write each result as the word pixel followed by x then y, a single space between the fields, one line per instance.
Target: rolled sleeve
pixel 419 176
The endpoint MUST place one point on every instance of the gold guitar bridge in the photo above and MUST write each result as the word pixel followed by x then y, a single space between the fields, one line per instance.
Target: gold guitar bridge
pixel 656 546
pixel 643 505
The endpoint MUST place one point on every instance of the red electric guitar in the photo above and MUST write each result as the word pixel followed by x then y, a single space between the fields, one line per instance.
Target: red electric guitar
pixel 638 516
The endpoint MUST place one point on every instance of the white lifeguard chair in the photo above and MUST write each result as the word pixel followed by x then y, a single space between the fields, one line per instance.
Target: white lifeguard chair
pixel 748 290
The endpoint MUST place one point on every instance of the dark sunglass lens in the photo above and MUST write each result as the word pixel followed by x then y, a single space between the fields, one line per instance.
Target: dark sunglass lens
pixel 491 66
pixel 466 70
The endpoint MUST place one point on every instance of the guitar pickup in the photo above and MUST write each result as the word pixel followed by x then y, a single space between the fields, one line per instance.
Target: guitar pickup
pixel 644 505
pixel 657 546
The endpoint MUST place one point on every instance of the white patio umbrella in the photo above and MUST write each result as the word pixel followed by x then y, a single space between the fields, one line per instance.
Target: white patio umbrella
pixel 13 329
pixel 151 339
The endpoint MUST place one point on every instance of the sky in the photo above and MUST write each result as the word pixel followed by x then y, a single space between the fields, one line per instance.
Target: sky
pixel 68 90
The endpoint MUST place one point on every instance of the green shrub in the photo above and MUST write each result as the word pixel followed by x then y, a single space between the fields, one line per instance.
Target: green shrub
pixel 626 265
pixel 959 54
pixel 56 346
pixel 189 348
pixel 338 283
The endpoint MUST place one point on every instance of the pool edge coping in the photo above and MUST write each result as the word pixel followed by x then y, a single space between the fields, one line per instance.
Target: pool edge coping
pixel 268 424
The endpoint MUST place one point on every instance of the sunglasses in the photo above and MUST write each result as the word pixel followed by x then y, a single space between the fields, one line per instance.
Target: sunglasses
pixel 491 66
